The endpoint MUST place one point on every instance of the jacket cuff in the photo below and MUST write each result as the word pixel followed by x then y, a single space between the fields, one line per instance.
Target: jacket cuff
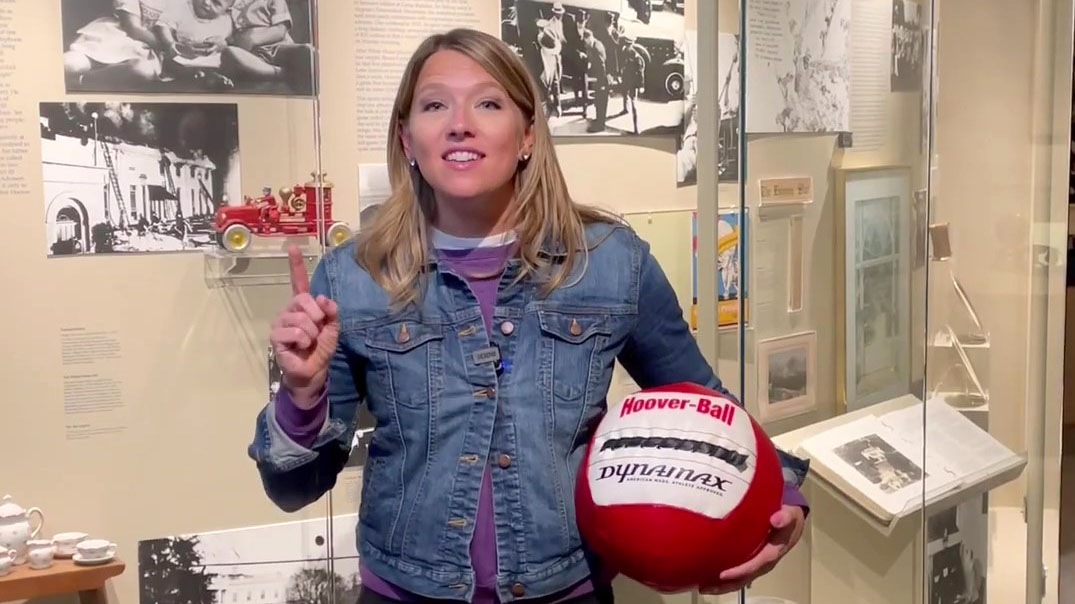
pixel 301 425
pixel 794 497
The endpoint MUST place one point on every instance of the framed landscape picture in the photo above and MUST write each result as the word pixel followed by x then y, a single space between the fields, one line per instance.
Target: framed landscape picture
pixel 787 376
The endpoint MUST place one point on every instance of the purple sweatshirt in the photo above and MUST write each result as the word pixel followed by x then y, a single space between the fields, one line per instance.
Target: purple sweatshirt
pixel 474 260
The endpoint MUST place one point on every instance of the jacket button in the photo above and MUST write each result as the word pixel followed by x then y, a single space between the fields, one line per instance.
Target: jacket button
pixel 507 328
pixel 518 590
pixel 504 461
pixel 575 328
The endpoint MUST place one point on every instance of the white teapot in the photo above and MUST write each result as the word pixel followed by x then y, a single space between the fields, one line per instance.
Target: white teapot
pixel 15 528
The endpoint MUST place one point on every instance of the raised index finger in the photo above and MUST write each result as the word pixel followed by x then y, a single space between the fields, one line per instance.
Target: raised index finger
pixel 300 281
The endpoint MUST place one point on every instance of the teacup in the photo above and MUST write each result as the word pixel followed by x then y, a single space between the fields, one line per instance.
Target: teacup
pixel 96 549
pixel 40 553
pixel 65 543
pixel 7 560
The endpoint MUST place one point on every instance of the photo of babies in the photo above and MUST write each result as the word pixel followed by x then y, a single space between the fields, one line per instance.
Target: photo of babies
pixel 189 46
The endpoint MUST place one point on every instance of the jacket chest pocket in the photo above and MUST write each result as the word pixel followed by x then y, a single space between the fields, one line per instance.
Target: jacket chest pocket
pixel 568 349
pixel 406 362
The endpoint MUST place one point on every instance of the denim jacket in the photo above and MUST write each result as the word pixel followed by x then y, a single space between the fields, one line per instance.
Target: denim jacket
pixel 444 406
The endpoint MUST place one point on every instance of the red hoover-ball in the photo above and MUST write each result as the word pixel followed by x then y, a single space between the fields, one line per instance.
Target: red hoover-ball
pixel 678 484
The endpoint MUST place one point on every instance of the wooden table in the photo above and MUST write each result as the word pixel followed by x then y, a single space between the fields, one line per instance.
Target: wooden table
pixel 63 577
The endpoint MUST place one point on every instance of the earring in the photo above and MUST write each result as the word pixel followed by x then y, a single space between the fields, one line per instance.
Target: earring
pixel 414 163
pixel 525 157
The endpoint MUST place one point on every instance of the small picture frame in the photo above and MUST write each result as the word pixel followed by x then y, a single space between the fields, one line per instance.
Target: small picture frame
pixel 787 376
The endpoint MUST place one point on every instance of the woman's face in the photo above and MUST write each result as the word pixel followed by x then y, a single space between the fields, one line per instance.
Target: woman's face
pixel 464 130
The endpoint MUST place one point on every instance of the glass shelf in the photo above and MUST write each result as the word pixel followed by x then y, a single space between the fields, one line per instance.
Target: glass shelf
pixel 252 268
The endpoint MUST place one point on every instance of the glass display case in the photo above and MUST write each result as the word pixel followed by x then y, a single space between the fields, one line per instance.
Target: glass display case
pixel 904 250
pixel 860 204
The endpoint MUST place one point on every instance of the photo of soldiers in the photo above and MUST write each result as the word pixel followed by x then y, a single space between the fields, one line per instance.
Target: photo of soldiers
pixel 588 55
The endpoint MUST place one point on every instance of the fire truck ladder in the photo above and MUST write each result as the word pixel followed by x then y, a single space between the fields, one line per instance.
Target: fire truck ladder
pixel 115 185
pixel 208 195
pixel 171 188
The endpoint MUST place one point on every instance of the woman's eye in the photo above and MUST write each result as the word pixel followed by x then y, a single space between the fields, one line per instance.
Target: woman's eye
pixel 432 105
pixel 490 104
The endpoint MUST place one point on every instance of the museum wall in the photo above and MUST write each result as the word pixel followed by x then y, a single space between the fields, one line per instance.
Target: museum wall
pixel 134 376
pixel 132 392
pixel 134 385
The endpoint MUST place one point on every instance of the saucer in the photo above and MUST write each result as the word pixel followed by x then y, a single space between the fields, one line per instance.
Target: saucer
pixel 80 559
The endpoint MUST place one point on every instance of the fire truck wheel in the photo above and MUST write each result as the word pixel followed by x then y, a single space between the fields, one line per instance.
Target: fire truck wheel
pixel 236 238
pixel 338 233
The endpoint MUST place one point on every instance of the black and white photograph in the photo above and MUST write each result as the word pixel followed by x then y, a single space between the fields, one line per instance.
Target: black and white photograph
pixel 360 442
pixel 275 373
pixel 182 46
pixel 957 550
pixel 687 141
pixel 269 564
pixel 366 422
pixel 606 67
pixel 136 177
pixel 728 135
pixel 908 46
pixel 798 70
pixel 787 375
pixel 880 463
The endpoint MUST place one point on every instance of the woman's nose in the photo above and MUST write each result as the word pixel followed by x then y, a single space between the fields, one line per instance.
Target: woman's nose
pixel 460 125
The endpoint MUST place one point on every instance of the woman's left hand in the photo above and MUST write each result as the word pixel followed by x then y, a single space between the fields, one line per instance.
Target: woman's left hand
pixel 788 526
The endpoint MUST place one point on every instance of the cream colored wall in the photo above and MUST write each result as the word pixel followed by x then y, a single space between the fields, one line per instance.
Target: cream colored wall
pixel 193 357
pixel 1004 159
pixel 984 179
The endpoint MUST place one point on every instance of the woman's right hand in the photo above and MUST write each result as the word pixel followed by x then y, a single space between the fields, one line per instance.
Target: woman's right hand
pixel 304 336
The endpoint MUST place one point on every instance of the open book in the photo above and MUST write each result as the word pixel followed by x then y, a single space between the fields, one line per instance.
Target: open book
pixel 890 464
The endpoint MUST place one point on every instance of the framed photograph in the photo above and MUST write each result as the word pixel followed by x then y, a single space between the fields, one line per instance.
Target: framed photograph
pixel 874 213
pixel 787 376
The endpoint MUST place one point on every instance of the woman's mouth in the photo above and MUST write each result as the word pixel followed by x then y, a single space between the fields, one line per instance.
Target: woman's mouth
pixel 463 158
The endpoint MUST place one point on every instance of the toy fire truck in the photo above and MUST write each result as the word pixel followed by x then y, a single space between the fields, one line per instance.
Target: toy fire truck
pixel 294 212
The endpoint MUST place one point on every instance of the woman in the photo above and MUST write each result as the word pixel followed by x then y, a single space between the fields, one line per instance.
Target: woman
pixel 478 318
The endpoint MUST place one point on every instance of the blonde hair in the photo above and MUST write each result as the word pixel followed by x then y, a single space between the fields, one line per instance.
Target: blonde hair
pixel 393 248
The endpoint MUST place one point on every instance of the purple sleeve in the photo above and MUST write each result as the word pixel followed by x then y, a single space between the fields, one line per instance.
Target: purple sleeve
pixel 301 425
pixel 792 496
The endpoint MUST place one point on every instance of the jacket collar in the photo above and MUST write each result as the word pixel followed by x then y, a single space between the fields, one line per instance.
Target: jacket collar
pixel 549 249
